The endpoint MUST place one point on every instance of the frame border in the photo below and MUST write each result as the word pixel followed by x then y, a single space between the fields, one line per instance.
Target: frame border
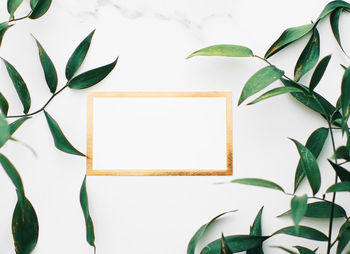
pixel 149 172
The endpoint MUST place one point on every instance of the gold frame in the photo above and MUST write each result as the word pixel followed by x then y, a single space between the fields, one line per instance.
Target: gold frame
pixel 136 172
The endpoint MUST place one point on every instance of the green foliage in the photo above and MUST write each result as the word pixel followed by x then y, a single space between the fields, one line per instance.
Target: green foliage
pixel 299 208
pixel 3 28
pixel 224 246
pixel 304 232
pixel 319 71
pixel 343 237
pixel 256 230
pixel 16 124
pixel 4 106
pixel 4 130
pixel 275 92
pixel 343 186
pixel 12 6
pixel 258 182
pixel 223 50
pixel 39 8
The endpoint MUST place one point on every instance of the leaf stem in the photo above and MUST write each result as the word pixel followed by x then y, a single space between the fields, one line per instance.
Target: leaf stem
pixel 43 107
pixel 24 17
pixel 268 62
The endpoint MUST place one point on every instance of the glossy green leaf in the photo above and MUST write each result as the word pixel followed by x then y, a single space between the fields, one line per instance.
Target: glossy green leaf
pixel 60 140
pixel 343 237
pixel 33 3
pixel 288 36
pixel 321 209
pixel 345 94
pixel 304 232
pixel 256 230
pixel 39 8
pixel 330 7
pixel 20 86
pixel 200 233
pixel 303 250
pixel 4 106
pixel 259 81
pixel 284 249
pixel 16 124
pixel 236 243
pixel 342 152
pixel 258 182
pixel 25 226
pixel 308 57
pixel 78 56
pixel 315 143
pixel 4 130
pixel 319 71
pixel 341 172
pixel 224 246
pixel 48 67
pixel 309 164
pixel 3 28
pixel 91 77
pixel 275 92
pixel 334 21
pixel 12 173
pixel 12 6
pixel 90 235
pixel 343 186
pixel 299 208
pixel 227 50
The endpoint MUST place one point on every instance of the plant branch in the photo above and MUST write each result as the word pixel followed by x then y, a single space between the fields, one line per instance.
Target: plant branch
pixel 24 17
pixel 268 62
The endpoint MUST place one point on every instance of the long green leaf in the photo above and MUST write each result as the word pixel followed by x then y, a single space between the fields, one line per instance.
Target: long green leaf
pixel 259 81
pixel 341 172
pixel 3 28
pixel 25 226
pixel 91 77
pixel 60 140
pixel 39 8
pixel 319 71
pixel 310 166
pixel 224 246
pixel 303 250
pixel 236 243
pixel 342 152
pixel 275 92
pixel 345 94
pixel 4 106
pixel 16 124
pixel 200 233
pixel 343 237
pixel 343 186
pixel 12 173
pixel 330 7
pixel 90 234
pixel 78 56
pixel 258 182
pixel 334 21
pixel 4 130
pixel 288 36
pixel 227 50
pixel 299 208
pixel 12 6
pixel 315 143
pixel 48 67
pixel 304 232
pixel 20 86
pixel 256 230
pixel 308 57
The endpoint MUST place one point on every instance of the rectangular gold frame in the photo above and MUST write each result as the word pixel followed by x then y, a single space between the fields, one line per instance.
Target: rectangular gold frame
pixel 136 172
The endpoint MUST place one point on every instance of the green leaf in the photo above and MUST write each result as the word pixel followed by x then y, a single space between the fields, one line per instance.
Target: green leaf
pixel 258 182
pixel 224 246
pixel 259 81
pixel 60 140
pixel 3 28
pixel 12 173
pixel 90 235
pixel 303 250
pixel 319 71
pixel 343 66
pixel 4 130
pixel 310 166
pixel 343 186
pixel 25 226
pixel 345 94
pixel 342 152
pixel 91 77
pixel 20 86
pixel 288 36
pixel 16 124
pixel 223 50
pixel 4 106
pixel 330 7
pixel 343 237
pixel 39 8
pixel 275 92
pixel 285 249
pixel 315 143
pixel 200 232
pixel 299 208
pixel 255 229
pixel 304 232
pixel 78 56
pixel 334 21
pixel 12 6
pixel 48 67
pixel 308 57
pixel 341 172
pixel 236 243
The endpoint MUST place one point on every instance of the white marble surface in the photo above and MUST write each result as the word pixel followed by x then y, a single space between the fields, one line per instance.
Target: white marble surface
pixel 159 215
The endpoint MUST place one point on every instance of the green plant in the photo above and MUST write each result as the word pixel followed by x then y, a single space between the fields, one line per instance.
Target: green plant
pixel 317 205
pixel 25 226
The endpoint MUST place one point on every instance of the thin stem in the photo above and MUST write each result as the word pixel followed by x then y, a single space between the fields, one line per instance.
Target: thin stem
pixel 268 62
pixel 43 107
pixel 17 19
pixel 313 197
